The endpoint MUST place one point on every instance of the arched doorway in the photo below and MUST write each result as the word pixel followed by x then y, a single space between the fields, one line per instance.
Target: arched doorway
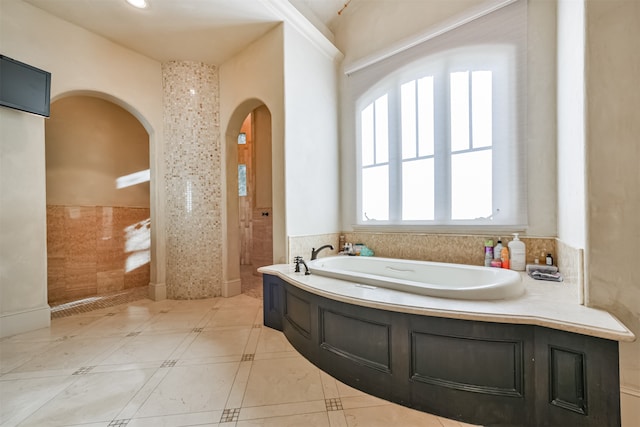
pixel 98 199
pixel 255 207
pixel 249 213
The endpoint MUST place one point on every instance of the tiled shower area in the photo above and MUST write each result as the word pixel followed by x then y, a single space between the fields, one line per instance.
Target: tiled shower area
pixel 96 250
pixel 98 192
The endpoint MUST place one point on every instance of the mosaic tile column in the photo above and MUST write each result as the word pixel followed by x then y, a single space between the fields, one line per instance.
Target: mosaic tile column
pixel 193 187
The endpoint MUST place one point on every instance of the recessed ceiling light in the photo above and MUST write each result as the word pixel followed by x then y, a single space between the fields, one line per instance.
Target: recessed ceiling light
pixel 140 4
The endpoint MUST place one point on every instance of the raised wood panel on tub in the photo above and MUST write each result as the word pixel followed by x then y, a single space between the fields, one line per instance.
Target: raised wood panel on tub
pixel 493 374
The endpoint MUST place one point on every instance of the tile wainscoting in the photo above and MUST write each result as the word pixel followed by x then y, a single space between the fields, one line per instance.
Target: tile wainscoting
pixel 93 250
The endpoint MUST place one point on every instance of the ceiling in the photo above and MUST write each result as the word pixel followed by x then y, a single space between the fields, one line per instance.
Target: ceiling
pixel 210 31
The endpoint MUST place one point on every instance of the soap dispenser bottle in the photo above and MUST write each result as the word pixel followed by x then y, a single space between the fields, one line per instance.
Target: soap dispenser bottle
pixel 517 253
pixel 497 249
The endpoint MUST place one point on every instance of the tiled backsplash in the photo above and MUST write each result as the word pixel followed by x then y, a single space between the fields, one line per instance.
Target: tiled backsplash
pixel 459 249
pixel 93 250
pixel 302 245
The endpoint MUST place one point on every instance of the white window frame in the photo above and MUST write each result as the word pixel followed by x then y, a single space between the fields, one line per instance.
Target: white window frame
pixel 499 59
pixel 495 28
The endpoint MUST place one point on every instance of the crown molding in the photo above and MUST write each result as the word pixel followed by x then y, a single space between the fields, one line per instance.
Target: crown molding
pixel 290 15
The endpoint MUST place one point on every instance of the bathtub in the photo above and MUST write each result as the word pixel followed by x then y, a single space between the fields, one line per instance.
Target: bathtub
pixel 421 277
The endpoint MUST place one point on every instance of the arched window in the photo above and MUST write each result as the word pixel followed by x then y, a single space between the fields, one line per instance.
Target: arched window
pixel 440 135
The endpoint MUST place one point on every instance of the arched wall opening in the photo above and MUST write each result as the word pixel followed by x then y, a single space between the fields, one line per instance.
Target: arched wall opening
pixel 99 210
pixel 253 211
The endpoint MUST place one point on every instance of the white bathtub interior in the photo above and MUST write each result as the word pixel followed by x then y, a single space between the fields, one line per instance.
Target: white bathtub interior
pixel 422 277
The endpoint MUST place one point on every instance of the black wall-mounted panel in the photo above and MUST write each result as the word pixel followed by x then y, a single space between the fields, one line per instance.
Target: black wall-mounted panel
pixel 567 380
pixel 298 312
pixel 469 364
pixel 24 87
pixel 364 342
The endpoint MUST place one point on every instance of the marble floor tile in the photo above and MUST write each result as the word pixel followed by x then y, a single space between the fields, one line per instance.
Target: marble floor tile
pixel 188 389
pixel 14 354
pixel 281 410
pixel 144 348
pixel 233 316
pixel 239 301
pixel 174 321
pixel 453 423
pixel 120 325
pixel 69 354
pixel 254 337
pixel 329 386
pixel 60 329
pixel 319 419
pixel 223 342
pixel 278 381
pixel 363 401
pixel 272 341
pixel 178 363
pixel 92 398
pixel 389 415
pixel 348 391
pixel 239 385
pixel 20 398
pixel 337 419
pixel 208 418
pixel 201 305
pixel 136 402
pixel 149 306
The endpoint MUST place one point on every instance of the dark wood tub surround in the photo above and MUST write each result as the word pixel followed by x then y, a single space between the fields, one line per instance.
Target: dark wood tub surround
pixel 493 374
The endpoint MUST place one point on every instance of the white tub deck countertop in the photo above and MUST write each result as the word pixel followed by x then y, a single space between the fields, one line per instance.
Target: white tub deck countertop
pixel 549 304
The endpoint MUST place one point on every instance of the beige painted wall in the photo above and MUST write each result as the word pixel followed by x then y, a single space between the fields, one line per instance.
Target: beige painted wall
pixel 363 30
pixel 90 144
pixel 304 114
pixel 79 62
pixel 311 137
pixel 23 234
pixel 613 174
pixel 242 89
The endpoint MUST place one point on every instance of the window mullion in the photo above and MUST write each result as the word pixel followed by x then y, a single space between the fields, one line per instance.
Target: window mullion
pixel 470 109
pixel 417 124
pixel 395 155
pixel 375 136
pixel 442 149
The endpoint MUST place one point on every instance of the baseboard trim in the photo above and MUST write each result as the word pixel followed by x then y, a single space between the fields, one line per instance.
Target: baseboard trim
pixel 630 391
pixel 231 288
pixel 629 406
pixel 157 291
pixel 25 321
